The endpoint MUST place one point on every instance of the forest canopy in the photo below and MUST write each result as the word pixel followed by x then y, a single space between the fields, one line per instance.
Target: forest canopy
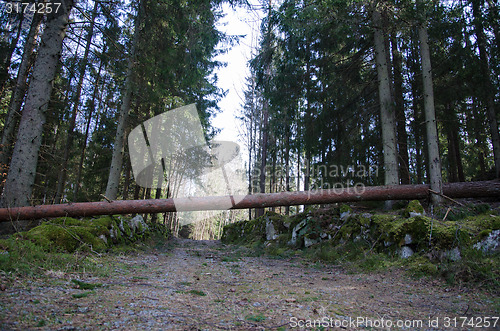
pixel 340 92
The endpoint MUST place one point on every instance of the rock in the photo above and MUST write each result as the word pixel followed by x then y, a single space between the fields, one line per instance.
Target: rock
pixel 103 238
pixel 345 211
pixel 405 252
pixel 137 225
pixel 270 231
pixel 490 243
pixel 295 231
pixel 413 209
pixel 309 242
pixel 408 239
pixel 452 254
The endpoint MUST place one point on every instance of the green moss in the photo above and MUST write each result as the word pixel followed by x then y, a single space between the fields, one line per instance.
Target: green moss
pixel 457 213
pixel 69 235
pixel 345 209
pixel 85 286
pixel 197 292
pixel 254 230
pixel 82 295
pixel 126 230
pixel 420 266
pixel 414 207
pixel 231 233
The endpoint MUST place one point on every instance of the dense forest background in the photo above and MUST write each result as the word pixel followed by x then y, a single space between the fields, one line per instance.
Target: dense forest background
pixel 340 93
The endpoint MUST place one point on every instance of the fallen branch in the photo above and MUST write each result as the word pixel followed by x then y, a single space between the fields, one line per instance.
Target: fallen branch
pixel 371 193
pixel 446 197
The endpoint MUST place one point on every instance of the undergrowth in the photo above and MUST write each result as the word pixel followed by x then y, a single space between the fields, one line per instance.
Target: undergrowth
pixel 354 251
pixel 22 257
pixel 474 268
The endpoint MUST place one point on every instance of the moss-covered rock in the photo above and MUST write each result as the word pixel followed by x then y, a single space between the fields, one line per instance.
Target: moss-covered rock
pixel 69 234
pixel 463 249
pixel 95 234
pixel 413 209
pixel 389 233
pixel 345 211
pixel 259 229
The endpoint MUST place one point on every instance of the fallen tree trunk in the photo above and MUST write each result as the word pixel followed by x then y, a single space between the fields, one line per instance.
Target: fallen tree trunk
pixel 261 200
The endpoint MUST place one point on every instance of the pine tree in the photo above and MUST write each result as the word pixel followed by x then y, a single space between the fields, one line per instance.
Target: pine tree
pixel 21 175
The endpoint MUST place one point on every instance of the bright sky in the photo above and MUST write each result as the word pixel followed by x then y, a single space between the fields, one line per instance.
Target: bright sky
pixel 238 21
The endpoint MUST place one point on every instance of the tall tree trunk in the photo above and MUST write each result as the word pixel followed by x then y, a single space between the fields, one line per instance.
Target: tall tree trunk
pixel 480 145
pixel 416 107
pixel 4 75
pixel 118 148
pixel 452 164
pixel 263 161
pixel 488 88
pixel 61 181
pixel 126 184
pixel 287 165
pixel 456 172
pixel 22 171
pixel 17 96
pixel 404 170
pixel 251 141
pixel 83 147
pixel 387 115
pixel 495 19
pixel 436 181
pixel 265 110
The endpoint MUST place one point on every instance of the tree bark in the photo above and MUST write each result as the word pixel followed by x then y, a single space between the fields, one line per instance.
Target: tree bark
pixel 488 88
pixel 265 110
pixel 4 74
pixel 495 19
pixel 118 148
pixel 83 147
pixel 16 101
pixel 435 176
pixel 480 144
pixel 259 200
pixel 404 166
pixel 76 103
pixel 287 167
pixel 22 171
pixel 420 156
pixel 387 115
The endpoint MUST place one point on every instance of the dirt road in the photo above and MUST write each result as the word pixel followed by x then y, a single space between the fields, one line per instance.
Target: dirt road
pixel 204 285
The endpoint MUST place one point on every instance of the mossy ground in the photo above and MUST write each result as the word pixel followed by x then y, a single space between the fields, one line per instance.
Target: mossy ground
pixel 367 241
pixel 73 245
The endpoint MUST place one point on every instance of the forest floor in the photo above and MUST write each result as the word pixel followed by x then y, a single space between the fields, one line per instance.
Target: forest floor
pixel 205 285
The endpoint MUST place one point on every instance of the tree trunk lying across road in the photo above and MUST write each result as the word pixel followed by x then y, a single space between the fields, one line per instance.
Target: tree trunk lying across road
pixel 373 193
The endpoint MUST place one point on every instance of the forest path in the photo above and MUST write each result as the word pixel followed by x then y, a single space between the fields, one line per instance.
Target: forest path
pixel 205 285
